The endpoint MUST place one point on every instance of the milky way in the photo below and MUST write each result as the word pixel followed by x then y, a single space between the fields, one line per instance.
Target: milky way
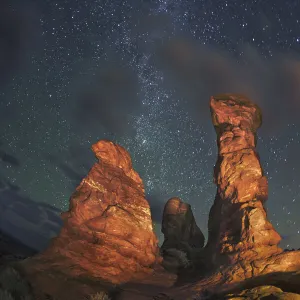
pixel 140 73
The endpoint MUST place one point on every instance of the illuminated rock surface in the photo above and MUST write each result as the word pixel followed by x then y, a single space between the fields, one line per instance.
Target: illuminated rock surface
pixel 238 224
pixel 242 243
pixel 107 241
pixel 107 233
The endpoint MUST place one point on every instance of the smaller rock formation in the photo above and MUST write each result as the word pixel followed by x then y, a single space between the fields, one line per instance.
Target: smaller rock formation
pixel 107 233
pixel 181 235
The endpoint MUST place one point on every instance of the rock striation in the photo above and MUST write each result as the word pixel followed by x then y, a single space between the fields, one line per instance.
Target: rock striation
pixel 181 235
pixel 107 233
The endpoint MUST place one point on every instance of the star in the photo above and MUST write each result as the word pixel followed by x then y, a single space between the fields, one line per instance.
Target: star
pixel 140 73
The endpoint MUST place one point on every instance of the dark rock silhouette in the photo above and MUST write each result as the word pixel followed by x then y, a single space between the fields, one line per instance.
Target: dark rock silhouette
pixel 13 250
pixel 181 235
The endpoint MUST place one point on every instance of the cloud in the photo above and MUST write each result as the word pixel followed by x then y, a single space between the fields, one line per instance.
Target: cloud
pixel 18 29
pixel 9 159
pixel 27 221
pixel 109 98
pixel 198 71
pixel 72 170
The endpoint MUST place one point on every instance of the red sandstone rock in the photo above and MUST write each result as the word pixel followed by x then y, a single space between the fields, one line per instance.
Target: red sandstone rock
pixel 238 225
pixel 242 244
pixel 107 233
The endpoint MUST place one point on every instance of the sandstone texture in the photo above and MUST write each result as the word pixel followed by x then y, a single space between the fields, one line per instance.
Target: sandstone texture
pixel 181 235
pixel 238 224
pixel 107 233
pixel 242 244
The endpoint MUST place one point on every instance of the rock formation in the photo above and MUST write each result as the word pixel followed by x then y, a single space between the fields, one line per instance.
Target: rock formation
pixel 107 237
pixel 107 233
pixel 181 235
pixel 238 225
pixel 242 244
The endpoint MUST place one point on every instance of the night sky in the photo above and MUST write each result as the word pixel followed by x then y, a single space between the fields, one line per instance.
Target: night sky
pixel 140 73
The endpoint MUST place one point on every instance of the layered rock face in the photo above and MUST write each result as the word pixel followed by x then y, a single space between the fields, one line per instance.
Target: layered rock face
pixel 107 232
pixel 181 235
pixel 238 224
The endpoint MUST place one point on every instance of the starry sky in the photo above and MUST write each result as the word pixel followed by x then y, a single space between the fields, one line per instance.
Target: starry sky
pixel 140 73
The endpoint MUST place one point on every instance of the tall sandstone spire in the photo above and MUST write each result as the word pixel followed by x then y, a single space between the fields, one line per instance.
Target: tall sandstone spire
pixel 238 224
pixel 242 249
